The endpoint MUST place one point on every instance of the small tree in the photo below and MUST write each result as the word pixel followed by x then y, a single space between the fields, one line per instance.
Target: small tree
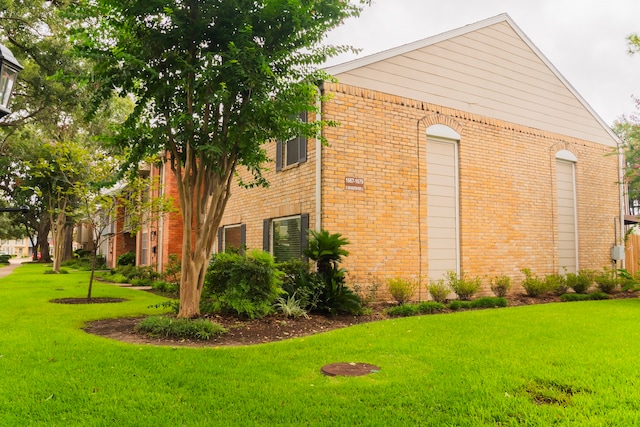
pixel 99 209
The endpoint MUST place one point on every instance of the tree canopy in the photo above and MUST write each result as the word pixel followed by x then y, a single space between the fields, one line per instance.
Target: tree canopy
pixel 213 81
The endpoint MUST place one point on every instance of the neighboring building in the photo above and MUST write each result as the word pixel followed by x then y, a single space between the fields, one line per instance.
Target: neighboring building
pixel 467 151
pixel 157 238
pixel 18 248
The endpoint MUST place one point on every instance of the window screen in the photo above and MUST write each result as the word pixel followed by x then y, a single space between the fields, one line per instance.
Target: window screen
pixel 286 238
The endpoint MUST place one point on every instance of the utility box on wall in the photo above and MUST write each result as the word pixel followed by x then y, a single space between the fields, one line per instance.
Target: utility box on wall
pixel 617 253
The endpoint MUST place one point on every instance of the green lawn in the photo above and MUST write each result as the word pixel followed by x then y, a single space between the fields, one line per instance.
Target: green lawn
pixel 555 364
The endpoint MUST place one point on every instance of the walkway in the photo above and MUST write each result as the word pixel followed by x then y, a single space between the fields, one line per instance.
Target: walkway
pixel 13 264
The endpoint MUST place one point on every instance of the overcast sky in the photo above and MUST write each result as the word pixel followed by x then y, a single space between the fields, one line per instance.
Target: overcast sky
pixel 584 39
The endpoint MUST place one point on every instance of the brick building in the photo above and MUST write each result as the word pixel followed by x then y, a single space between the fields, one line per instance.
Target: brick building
pixel 157 238
pixel 465 151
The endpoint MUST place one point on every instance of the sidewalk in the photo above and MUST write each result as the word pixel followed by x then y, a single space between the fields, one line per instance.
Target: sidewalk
pixel 13 264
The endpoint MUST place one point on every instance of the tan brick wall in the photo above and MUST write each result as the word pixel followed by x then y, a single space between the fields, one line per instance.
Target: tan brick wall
pixel 507 190
pixel 291 192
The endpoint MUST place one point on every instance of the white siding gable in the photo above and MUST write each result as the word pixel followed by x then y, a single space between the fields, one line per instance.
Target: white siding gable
pixel 489 68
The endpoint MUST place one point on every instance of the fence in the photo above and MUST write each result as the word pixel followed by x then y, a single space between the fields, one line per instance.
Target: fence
pixel 632 253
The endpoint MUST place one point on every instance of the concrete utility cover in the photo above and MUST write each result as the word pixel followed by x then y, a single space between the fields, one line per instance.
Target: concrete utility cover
pixel 345 369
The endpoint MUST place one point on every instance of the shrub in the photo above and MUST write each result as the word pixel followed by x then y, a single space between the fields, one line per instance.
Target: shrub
pixel 128 258
pixel 327 251
pixel 402 290
pixel 115 278
pixel 532 284
pixel 584 297
pixel 4 258
pixel 246 285
pixel 463 287
pixel 82 253
pixel 629 282
pixel 580 282
pixel 430 307
pixel 501 285
pixel 575 297
pixel 425 307
pixel 599 296
pixel 403 310
pixel 556 283
pixel 141 282
pixel 166 326
pixel 439 290
pixel 487 302
pixel 606 281
pixel 367 290
pixel 336 295
pixel 162 286
pixel 174 305
pixel 297 281
pixel 291 307
pixel 172 270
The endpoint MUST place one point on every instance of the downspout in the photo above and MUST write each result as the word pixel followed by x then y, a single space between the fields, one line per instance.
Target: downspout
pixel 159 237
pixel 622 197
pixel 319 95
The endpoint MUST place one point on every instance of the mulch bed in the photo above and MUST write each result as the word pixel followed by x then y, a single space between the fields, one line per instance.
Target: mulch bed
pixel 87 300
pixel 240 331
pixel 273 328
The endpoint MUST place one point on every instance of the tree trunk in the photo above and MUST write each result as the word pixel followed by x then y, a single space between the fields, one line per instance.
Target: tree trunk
pixel 67 248
pixel 202 202
pixel 93 270
pixel 43 240
pixel 193 268
pixel 58 236
pixel 191 284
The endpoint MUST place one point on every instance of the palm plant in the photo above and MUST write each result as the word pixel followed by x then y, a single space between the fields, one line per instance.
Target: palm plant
pixel 326 250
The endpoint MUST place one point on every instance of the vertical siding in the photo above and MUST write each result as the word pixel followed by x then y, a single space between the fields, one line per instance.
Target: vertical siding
pixel 565 184
pixel 442 208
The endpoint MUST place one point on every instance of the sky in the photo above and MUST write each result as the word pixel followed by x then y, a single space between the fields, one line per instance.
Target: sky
pixel 584 39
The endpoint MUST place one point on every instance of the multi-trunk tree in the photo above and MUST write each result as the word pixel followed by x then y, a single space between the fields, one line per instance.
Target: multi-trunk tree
pixel 213 81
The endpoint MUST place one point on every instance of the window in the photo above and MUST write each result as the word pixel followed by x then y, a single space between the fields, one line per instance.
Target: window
pixel 286 238
pixel 232 237
pixel 294 151
pixel 144 247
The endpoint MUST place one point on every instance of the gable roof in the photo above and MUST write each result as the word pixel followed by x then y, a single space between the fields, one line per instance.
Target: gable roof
pixel 490 68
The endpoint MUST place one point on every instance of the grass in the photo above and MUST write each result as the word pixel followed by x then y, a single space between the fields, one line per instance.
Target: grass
pixel 550 364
